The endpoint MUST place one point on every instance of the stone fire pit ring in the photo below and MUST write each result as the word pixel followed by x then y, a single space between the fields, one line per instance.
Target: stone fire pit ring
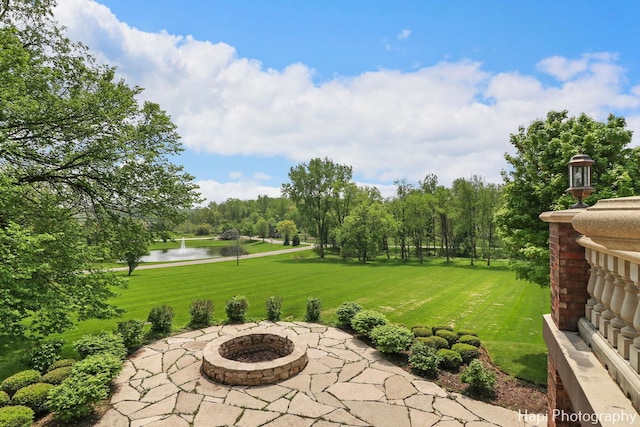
pixel 223 357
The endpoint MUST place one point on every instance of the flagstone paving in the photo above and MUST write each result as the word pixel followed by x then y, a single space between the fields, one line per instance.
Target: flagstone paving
pixel 345 383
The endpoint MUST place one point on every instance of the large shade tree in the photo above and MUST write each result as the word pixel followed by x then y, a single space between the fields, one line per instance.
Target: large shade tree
pixel 537 180
pixel 76 145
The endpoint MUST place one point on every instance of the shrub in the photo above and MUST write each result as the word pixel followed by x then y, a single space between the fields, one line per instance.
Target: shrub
pixel 201 311
pixel 44 354
pixel 466 351
pixel 274 308
pixel 62 363
pixel 33 396
pixel 462 332
pixel 365 320
pixel 104 366
pixel 345 313
pixel 4 398
pixel 450 336
pixel 236 309
pixel 314 309
pixel 74 398
pixel 102 342
pixel 161 318
pixel 56 376
pixel 391 338
pixel 16 416
pixel 469 339
pixel 295 241
pixel 435 342
pixel 424 358
pixel 479 378
pixel 449 359
pixel 441 328
pixel 131 333
pixel 20 379
pixel 422 331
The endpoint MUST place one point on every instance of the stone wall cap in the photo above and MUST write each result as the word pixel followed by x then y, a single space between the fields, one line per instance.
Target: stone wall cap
pixel 564 216
pixel 613 223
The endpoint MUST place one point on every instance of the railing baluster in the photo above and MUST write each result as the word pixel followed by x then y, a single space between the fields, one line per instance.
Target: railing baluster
pixel 629 306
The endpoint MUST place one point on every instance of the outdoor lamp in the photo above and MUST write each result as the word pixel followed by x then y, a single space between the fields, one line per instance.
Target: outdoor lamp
pixel 580 179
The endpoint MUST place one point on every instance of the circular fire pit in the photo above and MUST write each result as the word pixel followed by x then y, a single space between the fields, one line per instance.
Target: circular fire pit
pixel 256 357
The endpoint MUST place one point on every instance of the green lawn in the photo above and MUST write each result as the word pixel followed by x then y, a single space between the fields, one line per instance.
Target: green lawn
pixel 504 311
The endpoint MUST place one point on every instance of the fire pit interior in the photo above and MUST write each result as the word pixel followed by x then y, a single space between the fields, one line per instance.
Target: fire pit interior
pixel 253 358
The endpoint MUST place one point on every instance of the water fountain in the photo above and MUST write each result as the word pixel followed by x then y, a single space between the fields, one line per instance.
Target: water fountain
pixel 183 247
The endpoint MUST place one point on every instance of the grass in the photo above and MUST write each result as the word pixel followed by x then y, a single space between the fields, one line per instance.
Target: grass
pixel 505 312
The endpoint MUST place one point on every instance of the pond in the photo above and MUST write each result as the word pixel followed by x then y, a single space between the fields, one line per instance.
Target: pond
pixel 182 254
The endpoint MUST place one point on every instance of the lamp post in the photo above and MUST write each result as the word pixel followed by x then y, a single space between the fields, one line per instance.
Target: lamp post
pixel 580 179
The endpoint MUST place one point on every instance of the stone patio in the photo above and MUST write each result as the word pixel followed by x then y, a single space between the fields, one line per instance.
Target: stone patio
pixel 345 383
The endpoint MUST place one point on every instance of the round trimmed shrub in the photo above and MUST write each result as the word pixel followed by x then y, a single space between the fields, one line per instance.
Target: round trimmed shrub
pixel 423 331
pixel 450 336
pixel 4 398
pixel 62 363
pixel 441 328
pixel 236 309
pixel 469 339
pixel 424 358
pixel 391 338
pixel 434 341
pixel 201 311
pixel 466 351
pixel 56 376
pixel 131 333
pixel 462 332
pixel 20 379
pixel 345 313
pixel 16 416
pixel 449 359
pixel 161 318
pixel 480 379
pixel 33 396
pixel 365 320
pixel 103 342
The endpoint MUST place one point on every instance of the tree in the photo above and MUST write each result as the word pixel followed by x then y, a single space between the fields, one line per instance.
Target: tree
pixel 466 197
pixel 537 180
pixel 262 228
pixel 75 145
pixel 489 201
pixel 364 231
pixel 130 239
pixel 288 229
pixel 315 188
pixel 444 215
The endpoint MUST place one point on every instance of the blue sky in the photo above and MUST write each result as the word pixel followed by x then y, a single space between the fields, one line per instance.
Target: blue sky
pixel 397 89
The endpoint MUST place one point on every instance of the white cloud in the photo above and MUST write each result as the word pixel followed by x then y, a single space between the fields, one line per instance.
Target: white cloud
pixel 404 34
pixel 451 118
pixel 214 191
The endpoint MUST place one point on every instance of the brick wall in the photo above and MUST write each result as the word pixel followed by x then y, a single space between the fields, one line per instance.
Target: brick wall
pixel 558 399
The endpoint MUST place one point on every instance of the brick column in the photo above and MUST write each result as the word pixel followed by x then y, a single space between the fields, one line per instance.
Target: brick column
pixel 557 399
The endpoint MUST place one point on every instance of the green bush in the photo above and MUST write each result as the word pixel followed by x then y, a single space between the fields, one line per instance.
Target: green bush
pixel 44 354
pixel 345 313
pixel 20 379
pixel 33 396
pixel 104 366
pixel 131 333
pixel 449 359
pixel 161 318
pixel 102 342
pixel 201 311
pixel 480 379
pixel 424 358
pixel 4 398
pixel 441 328
pixel 462 332
pixel 314 309
pixel 469 339
pixel 391 338
pixel 365 320
pixel 450 336
pixel 466 351
pixel 75 397
pixel 295 241
pixel 56 376
pixel 422 332
pixel 62 363
pixel 435 342
pixel 16 416
pixel 274 308
pixel 236 309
